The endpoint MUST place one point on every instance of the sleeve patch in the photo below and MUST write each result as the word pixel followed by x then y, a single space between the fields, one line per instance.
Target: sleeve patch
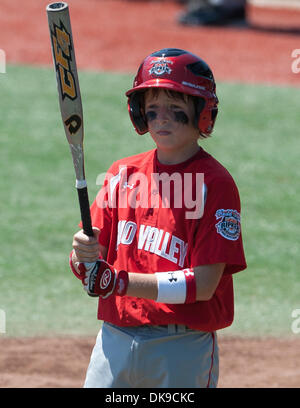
pixel 229 224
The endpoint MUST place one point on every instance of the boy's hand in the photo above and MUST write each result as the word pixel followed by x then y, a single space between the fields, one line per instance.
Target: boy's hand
pixel 97 276
pixel 102 279
pixel 86 249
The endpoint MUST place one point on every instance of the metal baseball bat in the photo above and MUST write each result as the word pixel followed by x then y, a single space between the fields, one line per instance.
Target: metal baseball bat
pixel 69 98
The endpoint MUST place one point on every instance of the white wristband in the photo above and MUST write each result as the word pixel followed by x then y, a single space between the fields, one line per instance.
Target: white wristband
pixel 171 287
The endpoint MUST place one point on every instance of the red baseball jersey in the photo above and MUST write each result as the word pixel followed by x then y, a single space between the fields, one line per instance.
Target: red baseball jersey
pixel 159 218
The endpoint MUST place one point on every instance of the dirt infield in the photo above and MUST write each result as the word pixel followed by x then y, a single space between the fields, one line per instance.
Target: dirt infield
pixel 62 362
pixel 116 35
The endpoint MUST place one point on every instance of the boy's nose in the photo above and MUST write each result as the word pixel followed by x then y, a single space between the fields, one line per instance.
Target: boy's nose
pixel 164 114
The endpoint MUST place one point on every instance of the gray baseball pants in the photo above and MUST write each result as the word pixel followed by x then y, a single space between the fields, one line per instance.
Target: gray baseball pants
pixel 171 356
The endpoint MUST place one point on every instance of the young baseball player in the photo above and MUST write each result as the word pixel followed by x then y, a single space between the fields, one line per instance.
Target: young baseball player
pixel 167 238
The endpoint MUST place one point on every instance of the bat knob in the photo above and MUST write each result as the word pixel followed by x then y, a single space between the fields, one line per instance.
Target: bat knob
pixel 56 6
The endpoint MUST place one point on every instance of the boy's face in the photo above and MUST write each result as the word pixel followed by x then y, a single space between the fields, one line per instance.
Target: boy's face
pixel 171 122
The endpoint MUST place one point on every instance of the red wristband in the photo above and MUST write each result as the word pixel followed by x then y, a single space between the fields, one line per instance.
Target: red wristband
pixel 190 285
pixel 122 283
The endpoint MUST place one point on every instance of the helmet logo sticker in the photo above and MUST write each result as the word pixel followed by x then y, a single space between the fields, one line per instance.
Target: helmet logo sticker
pixel 160 67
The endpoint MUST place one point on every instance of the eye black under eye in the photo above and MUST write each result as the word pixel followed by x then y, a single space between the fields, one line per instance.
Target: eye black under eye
pixel 150 115
pixel 181 117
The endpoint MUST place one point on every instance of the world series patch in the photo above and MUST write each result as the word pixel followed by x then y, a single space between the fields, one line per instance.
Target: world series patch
pixel 229 225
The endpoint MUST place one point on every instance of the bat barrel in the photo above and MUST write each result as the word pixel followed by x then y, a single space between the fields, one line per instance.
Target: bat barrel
pixel 69 98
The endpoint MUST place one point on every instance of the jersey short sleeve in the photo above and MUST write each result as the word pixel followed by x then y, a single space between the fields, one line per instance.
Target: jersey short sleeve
pixel 219 237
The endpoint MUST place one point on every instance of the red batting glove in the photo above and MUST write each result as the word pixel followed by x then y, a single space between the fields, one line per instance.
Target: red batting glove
pixel 100 278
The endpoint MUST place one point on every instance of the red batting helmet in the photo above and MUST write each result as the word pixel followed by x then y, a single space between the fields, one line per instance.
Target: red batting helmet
pixel 180 71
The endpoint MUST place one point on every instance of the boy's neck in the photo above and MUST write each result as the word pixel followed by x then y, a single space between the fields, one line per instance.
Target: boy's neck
pixel 171 157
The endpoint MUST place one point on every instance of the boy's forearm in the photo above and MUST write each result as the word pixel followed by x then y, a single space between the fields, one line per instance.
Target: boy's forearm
pixel 206 278
pixel 146 286
pixel 142 285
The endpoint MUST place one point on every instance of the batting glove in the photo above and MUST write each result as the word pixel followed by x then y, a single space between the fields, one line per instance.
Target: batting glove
pixel 100 278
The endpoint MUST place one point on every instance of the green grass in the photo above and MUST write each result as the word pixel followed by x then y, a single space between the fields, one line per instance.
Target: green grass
pixel 256 138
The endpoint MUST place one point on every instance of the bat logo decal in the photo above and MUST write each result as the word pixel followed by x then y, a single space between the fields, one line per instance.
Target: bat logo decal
pixel 73 123
pixel 62 53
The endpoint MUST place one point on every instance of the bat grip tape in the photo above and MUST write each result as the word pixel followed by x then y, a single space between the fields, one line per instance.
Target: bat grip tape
pixel 85 209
